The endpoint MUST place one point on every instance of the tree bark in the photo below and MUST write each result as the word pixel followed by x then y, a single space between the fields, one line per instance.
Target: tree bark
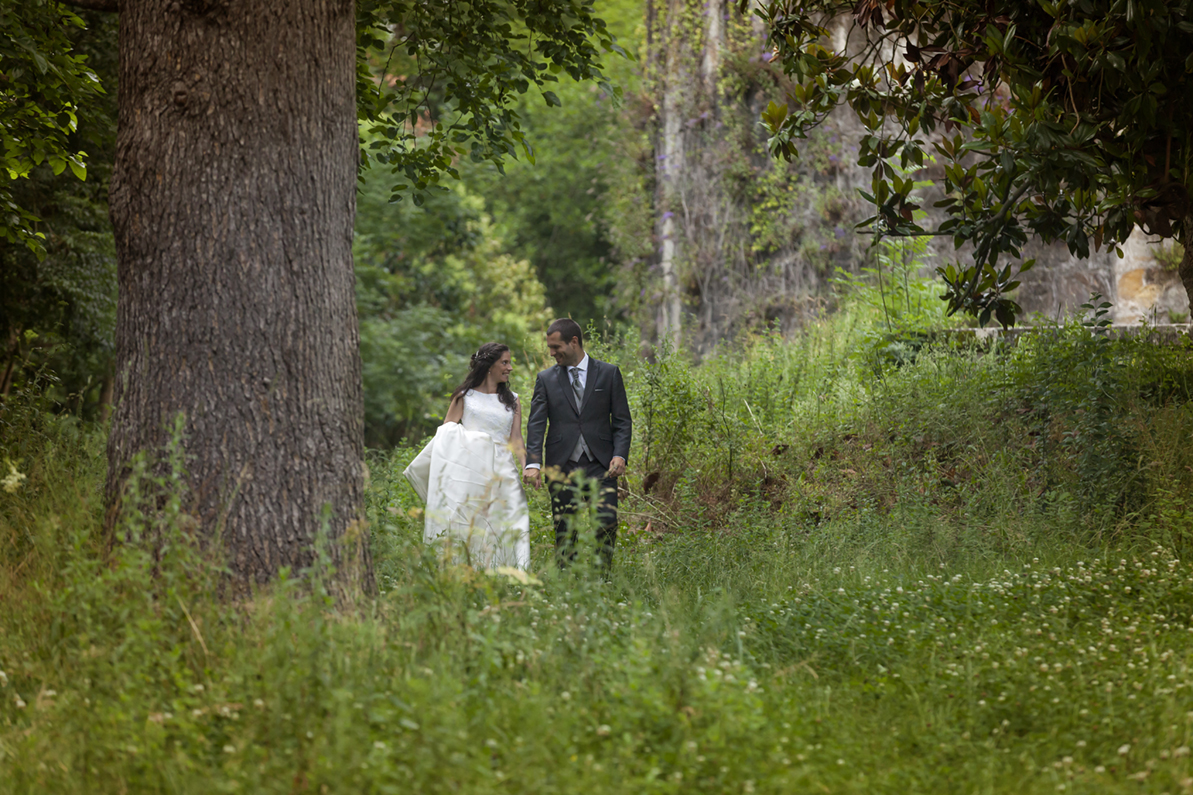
pixel 232 200
pixel 1185 269
pixel 669 169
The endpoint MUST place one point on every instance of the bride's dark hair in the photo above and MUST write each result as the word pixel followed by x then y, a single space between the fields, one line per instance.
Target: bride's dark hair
pixel 482 361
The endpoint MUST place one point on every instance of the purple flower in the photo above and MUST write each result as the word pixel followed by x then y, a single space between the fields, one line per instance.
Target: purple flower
pixel 668 214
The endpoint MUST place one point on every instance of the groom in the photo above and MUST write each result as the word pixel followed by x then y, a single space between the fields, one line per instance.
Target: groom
pixel 584 403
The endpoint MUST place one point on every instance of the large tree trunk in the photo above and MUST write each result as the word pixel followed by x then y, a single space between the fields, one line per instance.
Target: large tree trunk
pixel 233 200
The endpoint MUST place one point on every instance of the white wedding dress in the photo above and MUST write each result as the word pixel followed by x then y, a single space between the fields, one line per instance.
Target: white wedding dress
pixel 469 480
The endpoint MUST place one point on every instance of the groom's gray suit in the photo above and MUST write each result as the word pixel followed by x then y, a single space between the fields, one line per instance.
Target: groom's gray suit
pixel 603 421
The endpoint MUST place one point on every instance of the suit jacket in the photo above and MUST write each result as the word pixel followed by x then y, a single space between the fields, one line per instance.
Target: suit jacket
pixel 604 417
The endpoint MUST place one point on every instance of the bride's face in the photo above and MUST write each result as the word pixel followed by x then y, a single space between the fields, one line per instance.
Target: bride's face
pixel 501 369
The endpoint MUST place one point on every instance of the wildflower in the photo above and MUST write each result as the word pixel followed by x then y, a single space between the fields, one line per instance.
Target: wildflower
pixel 1124 749
pixel 380 746
pixel 13 480
pixel 19 702
pixel 3 679
pixel 229 749
pixel 604 730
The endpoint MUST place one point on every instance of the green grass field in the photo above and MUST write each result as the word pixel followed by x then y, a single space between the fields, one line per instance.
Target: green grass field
pixel 851 562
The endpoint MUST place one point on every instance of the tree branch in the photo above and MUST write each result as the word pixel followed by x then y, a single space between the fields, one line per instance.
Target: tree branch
pixel 93 5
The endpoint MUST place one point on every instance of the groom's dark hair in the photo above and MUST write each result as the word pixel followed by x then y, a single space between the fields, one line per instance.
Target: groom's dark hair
pixel 567 328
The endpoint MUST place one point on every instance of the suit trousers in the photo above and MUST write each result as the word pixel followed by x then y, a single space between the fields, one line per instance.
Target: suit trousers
pixel 565 501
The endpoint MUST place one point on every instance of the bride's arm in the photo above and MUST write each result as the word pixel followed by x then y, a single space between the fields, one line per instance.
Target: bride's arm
pixel 516 443
pixel 455 412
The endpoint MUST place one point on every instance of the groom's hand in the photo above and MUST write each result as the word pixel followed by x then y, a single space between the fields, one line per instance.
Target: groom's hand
pixel 533 476
pixel 616 467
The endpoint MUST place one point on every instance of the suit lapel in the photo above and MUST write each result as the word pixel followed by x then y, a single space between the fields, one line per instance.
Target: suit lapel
pixel 590 380
pixel 569 397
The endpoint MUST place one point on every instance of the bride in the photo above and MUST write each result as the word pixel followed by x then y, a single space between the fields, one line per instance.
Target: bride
pixel 468 475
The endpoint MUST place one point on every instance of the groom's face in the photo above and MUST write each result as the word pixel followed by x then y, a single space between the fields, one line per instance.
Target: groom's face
pixel 566 353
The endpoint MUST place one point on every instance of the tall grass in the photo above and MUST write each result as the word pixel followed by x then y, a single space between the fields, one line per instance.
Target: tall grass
pixel 955 569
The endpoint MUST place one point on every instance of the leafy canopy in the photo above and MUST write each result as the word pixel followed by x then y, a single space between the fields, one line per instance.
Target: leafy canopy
pixel 435 82
pixel 1066 120
pixel 42 82
pixel 438 82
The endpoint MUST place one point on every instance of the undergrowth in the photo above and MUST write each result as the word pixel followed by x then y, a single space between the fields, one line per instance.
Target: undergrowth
pixel 959 569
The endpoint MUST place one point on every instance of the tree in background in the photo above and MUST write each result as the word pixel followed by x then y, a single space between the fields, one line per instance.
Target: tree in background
pixel 1062 120
pixel 733 241
pixel 551 211
pixel 57 263
pixel 45 78
pixel 562 212
pixel 432 284
pixel 232 201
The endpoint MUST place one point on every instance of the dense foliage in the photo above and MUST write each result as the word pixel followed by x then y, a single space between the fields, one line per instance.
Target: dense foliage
pixel 1066 121
pixel 58 295
pixel 433 284
pixel 438 85
pixel 46 79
